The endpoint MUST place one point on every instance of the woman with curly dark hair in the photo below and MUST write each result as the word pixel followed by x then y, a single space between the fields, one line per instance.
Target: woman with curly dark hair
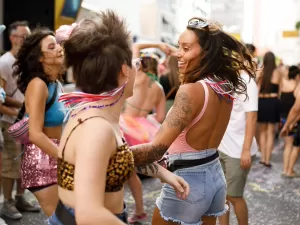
pixel 210 62
pixel 38 66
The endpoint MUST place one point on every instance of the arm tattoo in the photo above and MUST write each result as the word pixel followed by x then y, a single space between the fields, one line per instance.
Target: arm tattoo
pixel 147 153
pixel 150 169
pixel 181 113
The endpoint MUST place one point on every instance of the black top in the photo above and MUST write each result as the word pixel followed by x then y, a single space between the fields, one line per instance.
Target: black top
pixel 287 100
pixel 272 88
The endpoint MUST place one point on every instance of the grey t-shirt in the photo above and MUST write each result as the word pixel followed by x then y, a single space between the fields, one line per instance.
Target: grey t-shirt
pixel 6 71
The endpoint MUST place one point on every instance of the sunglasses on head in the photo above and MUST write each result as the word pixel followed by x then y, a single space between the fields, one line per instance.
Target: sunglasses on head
pixel 197 23
pixel 136 63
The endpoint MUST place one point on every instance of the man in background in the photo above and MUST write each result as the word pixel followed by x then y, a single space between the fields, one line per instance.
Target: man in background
pixel 238 149
pixel 18 31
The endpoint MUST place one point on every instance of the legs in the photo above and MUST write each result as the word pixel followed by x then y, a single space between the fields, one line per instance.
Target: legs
pixel 292 161
pixel 236 178
pixel 48 199
pixel 240 209
pixel 270 142
pixel 263 141
pixel 266 141
pixel 136 188
pixel 158 220
pixel 288 143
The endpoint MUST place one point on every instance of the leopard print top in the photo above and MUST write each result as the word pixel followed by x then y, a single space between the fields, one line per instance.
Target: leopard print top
pixel 120 168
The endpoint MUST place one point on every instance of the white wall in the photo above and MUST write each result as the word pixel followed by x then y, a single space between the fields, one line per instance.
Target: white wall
pixel 128 9
pixel 275 17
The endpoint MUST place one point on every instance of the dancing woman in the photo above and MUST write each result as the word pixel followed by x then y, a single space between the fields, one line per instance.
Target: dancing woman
pixel 94 160
pixel 209 62
pixel 38 66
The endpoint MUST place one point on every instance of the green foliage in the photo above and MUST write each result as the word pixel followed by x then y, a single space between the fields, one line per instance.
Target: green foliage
pixel 297 25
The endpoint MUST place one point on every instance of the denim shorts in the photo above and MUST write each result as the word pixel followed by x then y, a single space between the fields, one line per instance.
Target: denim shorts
pixel 53 220
pixel 207 195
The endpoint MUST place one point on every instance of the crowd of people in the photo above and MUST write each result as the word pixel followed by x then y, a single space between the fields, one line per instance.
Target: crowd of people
pixel 190 119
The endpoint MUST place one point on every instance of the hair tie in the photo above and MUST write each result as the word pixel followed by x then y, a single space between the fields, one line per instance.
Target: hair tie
pixel 63 32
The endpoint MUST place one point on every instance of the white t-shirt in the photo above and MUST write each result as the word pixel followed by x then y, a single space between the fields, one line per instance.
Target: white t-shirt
pixel 233 140
pixel 6 71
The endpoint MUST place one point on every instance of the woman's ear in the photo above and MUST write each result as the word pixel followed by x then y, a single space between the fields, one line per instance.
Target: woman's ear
pixel 124 70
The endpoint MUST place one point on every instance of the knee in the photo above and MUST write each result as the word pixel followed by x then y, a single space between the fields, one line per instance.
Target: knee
pixel 234 200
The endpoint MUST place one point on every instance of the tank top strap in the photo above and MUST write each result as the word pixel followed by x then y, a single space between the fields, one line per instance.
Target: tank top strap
pixel 80 121
pixel 206 95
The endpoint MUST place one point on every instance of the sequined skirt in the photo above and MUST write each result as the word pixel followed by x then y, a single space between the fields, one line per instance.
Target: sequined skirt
pixel 38 169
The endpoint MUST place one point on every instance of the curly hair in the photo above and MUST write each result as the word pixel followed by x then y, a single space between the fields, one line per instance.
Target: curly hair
pixel 222 56
pixel 96 50
pixel 28 65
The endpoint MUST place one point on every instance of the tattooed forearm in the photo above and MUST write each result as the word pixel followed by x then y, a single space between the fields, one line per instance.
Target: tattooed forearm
pixel 150 169
pixel 148 153
pixel 181 113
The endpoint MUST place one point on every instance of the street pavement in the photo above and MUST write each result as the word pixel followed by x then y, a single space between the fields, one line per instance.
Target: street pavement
pixel 272 199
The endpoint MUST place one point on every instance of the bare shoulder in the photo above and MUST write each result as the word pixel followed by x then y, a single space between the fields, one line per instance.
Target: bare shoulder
pixel 186 105
pixel 36 89
pixel 37 85
pixel 95 131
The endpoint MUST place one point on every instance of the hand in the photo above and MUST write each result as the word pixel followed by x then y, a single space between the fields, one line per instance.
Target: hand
pixel 284 131
pixel 168 49
pixel 246 159
pixel 180 186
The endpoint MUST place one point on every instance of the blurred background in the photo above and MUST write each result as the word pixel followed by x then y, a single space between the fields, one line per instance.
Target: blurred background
pixel 268 24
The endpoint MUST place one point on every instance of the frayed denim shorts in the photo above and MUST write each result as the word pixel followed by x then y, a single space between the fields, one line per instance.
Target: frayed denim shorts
pixel 207 195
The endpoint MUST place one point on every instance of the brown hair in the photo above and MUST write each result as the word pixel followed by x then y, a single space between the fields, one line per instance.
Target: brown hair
pixel 222 56
pixel 149 65
pixel 269 65
pixel 173 74
pixel 96 50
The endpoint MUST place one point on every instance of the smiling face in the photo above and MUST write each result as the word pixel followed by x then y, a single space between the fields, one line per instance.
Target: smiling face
pixel 189 52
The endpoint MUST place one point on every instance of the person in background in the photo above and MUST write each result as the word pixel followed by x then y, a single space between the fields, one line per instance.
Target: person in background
pixel 135 121
pixel 170 81
pixel 268 106
pixel 238 149
pixel 288 90
pixel 288 128
pixel 41 53
pixel 18 31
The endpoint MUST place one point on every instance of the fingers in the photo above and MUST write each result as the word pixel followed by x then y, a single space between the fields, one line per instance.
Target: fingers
pixel 245 163
pixel 182 188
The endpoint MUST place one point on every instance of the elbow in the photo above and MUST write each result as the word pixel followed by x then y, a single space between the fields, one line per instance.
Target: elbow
pixel 34 136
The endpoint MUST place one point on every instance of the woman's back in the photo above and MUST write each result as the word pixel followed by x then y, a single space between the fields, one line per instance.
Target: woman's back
pixel 208 129
pixel 147 96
